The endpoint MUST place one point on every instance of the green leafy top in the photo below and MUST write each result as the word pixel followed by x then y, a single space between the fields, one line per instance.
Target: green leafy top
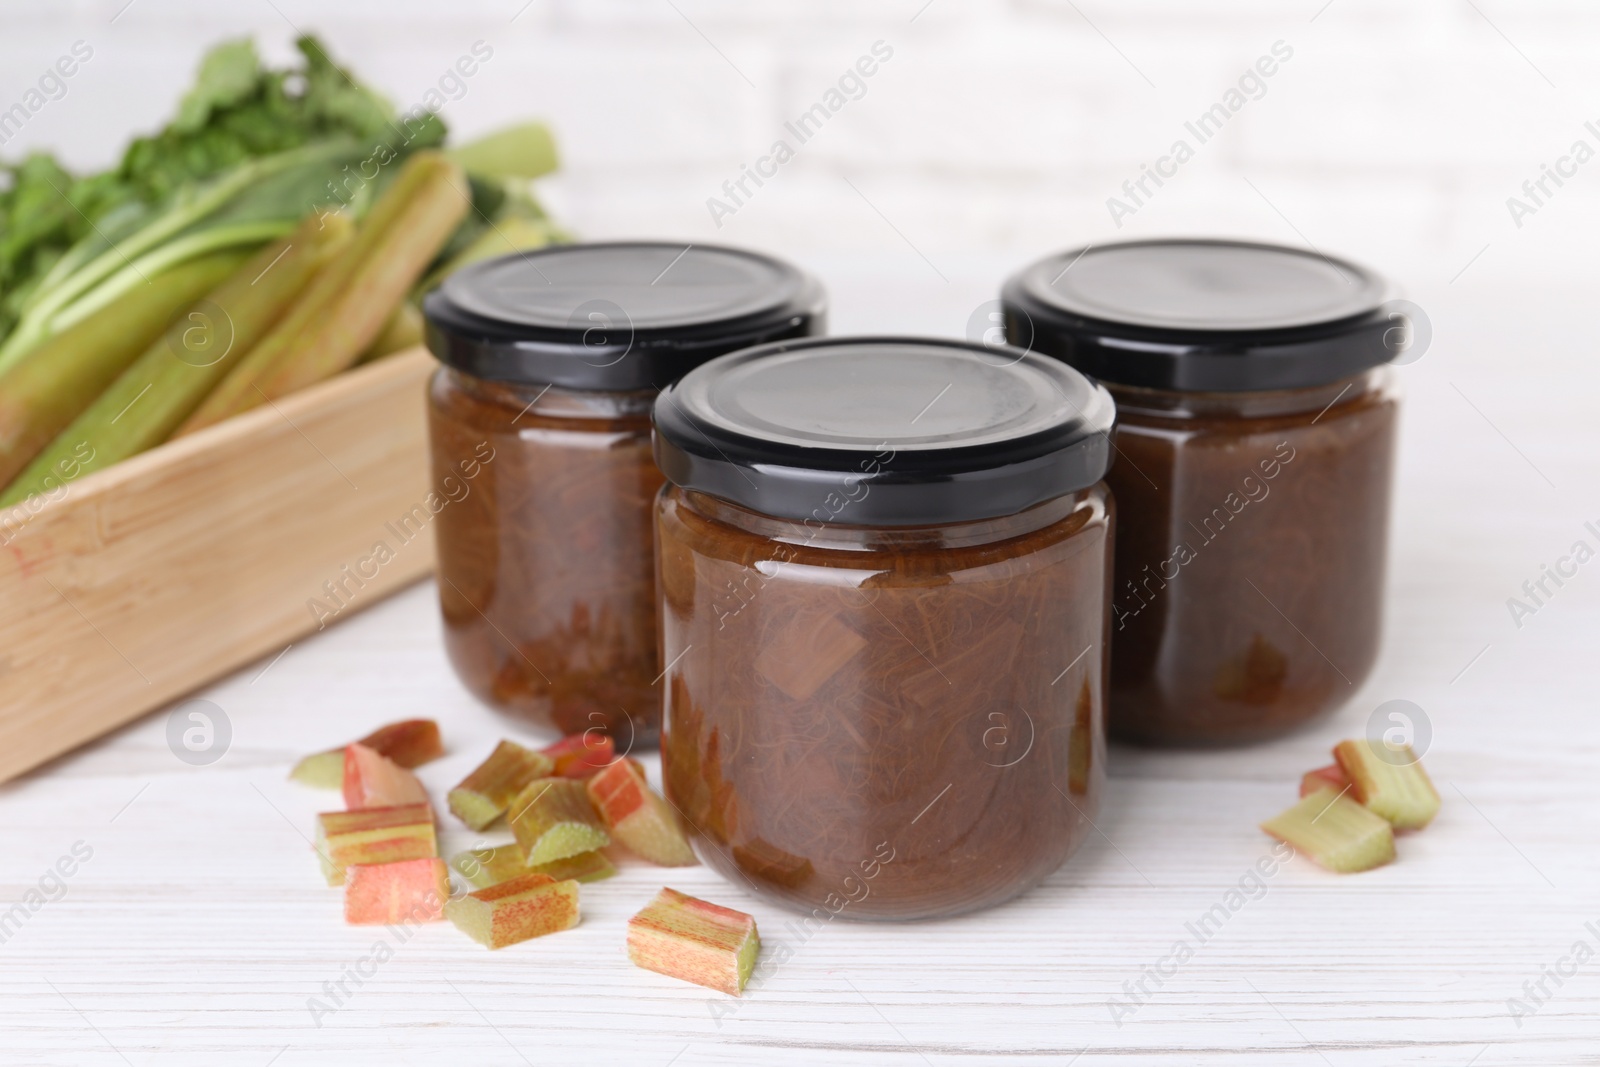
pixel 236 111
pixel 228 75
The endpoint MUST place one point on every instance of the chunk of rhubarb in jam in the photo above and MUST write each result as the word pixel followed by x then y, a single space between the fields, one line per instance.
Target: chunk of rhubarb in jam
pixel 767 861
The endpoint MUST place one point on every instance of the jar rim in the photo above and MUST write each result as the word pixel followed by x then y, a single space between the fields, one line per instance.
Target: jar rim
pixel 884 431
pixel 615 315
pixel 1202 314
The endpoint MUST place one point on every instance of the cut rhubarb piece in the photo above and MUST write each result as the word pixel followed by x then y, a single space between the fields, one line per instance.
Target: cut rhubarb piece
pixel 584 867
pixel 374 781
pixel 483 796
pixel 325 770
pixel 484 867
pixel 375 835
pixel 1335 832
pixel 553 819
pixel 638 816
pixel 410 743
pixel 682 937
pixel 580 755
pixel 528 906
pixel 411 891
pixel 1329 777
pixel 1389 781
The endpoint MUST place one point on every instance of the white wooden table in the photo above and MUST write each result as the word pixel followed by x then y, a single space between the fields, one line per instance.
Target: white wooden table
pixel 198 931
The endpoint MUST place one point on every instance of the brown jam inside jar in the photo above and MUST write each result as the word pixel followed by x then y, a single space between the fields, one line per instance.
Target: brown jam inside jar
pixel 1254 450
pixel 1250 558
pixel 540 430
pixel 548 610
pixel 887 655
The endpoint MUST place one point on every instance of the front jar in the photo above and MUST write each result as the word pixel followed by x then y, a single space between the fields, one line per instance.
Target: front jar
pixel 884 630
pixel 543 475
pixel 1255 443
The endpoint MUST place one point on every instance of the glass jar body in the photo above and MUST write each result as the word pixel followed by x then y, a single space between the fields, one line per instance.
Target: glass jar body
pixel 1250 556
pixel 885 723
pixel 545 573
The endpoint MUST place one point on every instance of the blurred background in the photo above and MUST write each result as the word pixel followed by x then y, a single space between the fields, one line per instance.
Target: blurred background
pixel 993 131
pixel 999 128
pixel 996 131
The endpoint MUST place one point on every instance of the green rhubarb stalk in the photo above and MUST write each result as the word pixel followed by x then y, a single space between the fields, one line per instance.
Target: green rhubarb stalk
pixel 403 330
pixel 53 224
pixel 54 383
pixel 118 224
pixel 509 234
pixel 400 248
pixel 337 290
pixel 36 322
pixel 523 151
pixel 168 255
pixel 122 267
pixel 149 399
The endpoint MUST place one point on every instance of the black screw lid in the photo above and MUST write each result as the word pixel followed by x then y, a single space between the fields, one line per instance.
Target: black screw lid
pixel 883 431
pixel 615 316
pixel 1203 315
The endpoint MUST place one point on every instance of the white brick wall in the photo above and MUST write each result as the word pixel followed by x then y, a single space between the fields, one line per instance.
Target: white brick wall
pixel 997 131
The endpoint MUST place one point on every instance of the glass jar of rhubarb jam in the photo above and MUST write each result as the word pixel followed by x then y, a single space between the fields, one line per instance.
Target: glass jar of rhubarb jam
pixel 540 426
pixel 883 566
pixel 1255 439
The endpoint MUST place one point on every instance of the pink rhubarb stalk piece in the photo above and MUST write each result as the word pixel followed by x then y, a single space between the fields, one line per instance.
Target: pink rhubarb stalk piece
pixel 527 906
pixel 411 891
pixel 373 835
pixel 373 781
pixel 483 796
pixel 638 816
pixel 410 743
pixel 1329 777
pixel 580 755
pixel 553 819
pixel 682 937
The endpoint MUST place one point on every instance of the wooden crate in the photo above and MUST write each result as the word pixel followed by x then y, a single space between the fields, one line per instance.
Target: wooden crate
pixel 151 578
